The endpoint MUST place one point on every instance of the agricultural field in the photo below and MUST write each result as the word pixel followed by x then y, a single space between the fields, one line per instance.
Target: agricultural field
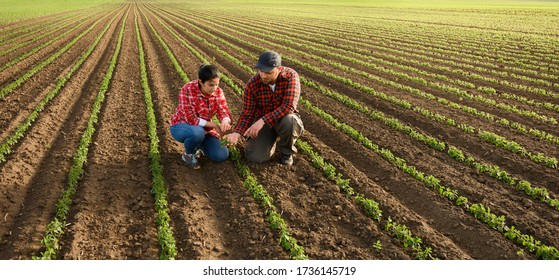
pixel 431 132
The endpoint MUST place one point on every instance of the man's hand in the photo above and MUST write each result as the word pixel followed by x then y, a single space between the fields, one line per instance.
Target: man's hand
pixel 225 125
pixel 253 130
pixel 232 138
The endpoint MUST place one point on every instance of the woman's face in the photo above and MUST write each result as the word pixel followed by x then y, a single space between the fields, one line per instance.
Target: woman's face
pixel 210 86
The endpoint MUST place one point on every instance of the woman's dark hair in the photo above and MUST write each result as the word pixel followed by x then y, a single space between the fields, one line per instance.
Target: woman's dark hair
pixel 208 72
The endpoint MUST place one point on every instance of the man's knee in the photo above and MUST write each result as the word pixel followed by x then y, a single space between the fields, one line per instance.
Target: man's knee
pixel 256 157
pixel 290 124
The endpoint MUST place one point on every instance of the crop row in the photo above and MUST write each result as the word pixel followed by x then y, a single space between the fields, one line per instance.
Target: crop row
pixel 43 31
pixel 478 210
pixel 159 189
pixel 55 228
pixel 371 207
pixel 6 146
pixel 22 79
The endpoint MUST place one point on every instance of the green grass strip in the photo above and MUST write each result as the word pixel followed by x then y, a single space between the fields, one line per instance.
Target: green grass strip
pixel 159 189
pixel 56 228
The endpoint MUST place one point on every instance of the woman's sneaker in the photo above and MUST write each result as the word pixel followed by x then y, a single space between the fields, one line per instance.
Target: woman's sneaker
pixel 191 161
pixel 199 153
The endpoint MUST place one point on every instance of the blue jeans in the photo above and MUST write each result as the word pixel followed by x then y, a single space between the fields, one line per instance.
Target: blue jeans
pixel 194 137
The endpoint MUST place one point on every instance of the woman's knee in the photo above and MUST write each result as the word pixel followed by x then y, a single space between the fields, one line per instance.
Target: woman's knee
pixel 222 154
pixel 219 155
pixel 197 134
pixel 186 132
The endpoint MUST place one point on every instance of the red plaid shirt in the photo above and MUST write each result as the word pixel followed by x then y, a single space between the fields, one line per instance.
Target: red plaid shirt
pixel 194 106
pixel 260 102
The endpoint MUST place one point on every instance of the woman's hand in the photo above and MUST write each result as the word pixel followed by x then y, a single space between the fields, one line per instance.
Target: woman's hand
pixel 214 126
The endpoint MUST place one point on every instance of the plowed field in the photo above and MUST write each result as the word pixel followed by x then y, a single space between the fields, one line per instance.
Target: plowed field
pixel 449 127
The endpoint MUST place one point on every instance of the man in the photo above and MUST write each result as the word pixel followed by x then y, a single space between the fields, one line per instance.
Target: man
pixel 199 101
pixel 270 111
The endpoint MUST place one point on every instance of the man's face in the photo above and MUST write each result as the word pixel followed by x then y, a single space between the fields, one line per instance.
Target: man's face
pixel 269 78
pixel 209 86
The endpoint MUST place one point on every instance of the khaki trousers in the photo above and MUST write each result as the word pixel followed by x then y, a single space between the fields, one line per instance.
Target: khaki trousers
pixel 287 130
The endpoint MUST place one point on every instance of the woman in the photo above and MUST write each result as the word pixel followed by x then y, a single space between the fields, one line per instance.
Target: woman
pixel 199 101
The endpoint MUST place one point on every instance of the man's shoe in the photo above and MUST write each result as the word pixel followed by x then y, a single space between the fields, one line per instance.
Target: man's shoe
pixel 191 161
pixel 286 159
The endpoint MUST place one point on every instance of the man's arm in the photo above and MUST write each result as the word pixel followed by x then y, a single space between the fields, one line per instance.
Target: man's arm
pixel 249 108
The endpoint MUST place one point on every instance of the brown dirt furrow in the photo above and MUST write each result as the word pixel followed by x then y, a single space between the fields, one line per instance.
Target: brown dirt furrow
pixel 326 223
pixel 37 170
pixel 114 215
pixel 213 215
pixel 17 105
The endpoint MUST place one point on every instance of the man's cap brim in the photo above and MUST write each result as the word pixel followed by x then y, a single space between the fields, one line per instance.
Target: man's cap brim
pixel 263 68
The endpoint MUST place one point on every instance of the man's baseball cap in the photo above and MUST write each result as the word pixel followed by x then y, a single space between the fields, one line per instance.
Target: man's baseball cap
pixel 267 61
